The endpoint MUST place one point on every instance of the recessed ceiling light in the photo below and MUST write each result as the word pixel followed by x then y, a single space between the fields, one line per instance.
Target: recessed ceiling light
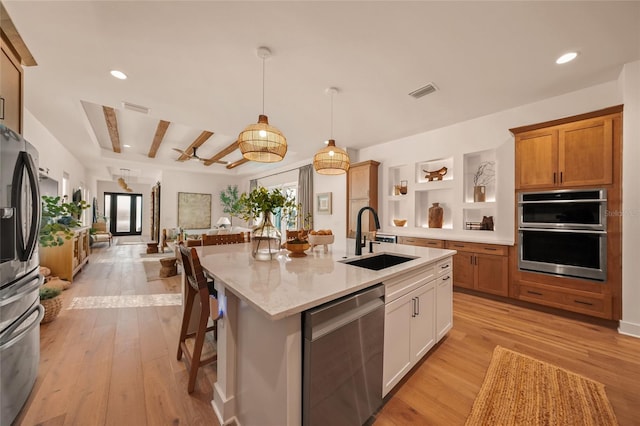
pixel 567 57
pixel 119 74
pixel 127 146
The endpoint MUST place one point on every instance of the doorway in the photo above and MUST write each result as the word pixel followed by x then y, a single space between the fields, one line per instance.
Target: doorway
pixel 124 212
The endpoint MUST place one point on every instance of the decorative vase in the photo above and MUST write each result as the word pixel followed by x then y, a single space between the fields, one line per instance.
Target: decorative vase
pixel 436 213
pixel 479 194
pixel 265 239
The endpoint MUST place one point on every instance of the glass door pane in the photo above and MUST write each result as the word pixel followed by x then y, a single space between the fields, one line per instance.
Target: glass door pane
pixel 138 213
pixel 123 213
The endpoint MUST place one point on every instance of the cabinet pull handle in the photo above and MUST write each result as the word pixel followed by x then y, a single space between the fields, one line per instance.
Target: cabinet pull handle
pixel 1 108
pixel 560 177
pixel 444 266
pixel 490 248
pixel 413 314
pixel 448 277
pixel 471 260
pixel 458 245
pixel 554 177
pixel 418 305
pixel 534 292
pixel 583 303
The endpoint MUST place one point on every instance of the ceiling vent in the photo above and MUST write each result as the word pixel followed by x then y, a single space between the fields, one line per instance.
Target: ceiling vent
pixel 423 91
pixel 136 108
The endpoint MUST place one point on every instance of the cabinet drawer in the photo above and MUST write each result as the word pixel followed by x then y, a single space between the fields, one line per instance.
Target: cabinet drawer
pixel 422 242
pixel 598 305
pixel 444 266
pixel 495 249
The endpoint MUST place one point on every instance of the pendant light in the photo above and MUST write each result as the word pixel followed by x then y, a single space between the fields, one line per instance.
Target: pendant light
pixel 262 142
pixel 331 160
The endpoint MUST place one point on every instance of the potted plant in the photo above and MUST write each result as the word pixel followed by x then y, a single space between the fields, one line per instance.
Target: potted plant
pixel 483 176
pixel 51 301
pixel 230 201
pixel 263 203
pixel 58 220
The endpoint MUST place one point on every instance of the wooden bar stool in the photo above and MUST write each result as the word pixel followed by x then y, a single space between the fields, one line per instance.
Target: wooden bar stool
pixel 196 286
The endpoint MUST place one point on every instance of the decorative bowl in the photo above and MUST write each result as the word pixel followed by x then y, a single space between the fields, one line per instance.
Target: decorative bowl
pixel 297 249
pixel 318 240
pixel 399 222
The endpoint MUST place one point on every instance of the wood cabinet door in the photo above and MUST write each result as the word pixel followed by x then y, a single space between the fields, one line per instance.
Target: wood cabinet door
pixel 10 91
pixel 536 159
pixel 492 274
pixel 463 269
pixel 354 208
pixel 359 177
pixel 585 153
pixel 397 341
pixel 423 326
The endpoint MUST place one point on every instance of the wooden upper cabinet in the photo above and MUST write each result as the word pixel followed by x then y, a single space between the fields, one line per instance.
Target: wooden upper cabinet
pixel 577 151
pixel 585 155
pixel 10 88
pixel 362 190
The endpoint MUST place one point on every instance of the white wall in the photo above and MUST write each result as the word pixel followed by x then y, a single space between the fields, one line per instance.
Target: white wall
pixel 201 183
pixel 137 188
pixel 630 87
pixel 55 157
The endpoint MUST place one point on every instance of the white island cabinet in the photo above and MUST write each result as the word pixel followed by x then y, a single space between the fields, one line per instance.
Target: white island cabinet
pixel 259 368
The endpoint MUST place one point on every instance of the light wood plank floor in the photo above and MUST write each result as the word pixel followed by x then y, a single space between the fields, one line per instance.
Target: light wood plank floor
pixel 118 366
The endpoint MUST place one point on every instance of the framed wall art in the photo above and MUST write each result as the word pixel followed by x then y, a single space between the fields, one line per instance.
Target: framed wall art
pixel 323 203
pixel 194 210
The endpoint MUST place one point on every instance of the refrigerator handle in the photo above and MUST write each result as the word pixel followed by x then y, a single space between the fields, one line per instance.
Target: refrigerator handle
pixel 22 290
pixel 26 246
pixel 12 328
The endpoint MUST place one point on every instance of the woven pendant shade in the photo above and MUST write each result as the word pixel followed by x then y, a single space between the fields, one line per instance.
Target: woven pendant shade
pixel 262 142
pixel 331 160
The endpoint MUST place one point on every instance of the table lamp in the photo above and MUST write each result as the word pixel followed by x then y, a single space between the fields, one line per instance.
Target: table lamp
pixel 223 222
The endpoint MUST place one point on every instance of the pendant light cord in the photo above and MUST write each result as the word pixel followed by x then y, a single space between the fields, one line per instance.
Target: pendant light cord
pixel 331 129
pixel 263 85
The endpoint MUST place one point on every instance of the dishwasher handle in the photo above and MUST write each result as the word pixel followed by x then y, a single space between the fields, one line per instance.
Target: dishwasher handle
pixel 329 317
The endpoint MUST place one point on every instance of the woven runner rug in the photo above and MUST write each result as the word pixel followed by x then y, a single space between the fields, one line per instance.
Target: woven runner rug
pixel 519 390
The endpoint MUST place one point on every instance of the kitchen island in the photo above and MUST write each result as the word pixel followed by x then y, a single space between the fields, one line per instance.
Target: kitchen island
pixel 259 370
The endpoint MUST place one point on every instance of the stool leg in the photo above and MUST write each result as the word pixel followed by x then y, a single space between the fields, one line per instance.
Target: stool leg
pixel 200 334
pixel 186 315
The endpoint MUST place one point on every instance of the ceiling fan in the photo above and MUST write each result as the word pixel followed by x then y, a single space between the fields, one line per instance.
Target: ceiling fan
pixel 194 156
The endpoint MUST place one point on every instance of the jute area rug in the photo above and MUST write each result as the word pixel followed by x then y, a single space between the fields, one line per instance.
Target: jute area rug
pixel 519 390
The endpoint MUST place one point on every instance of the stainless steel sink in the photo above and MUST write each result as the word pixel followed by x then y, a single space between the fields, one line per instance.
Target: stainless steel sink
pixel 379 261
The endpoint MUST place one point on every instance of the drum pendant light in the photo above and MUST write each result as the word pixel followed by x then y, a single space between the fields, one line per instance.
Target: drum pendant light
pixel 262 142
pixel 331 160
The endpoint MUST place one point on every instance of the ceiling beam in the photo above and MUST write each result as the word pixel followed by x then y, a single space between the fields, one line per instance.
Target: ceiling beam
pixel 9 30
pixel 112 126
pixel 195 144
pixel 223 153
pixel 157 139
pixel 235 164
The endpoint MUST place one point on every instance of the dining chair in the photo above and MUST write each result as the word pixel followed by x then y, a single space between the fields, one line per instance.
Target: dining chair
pixel 214 240
pixel 197 286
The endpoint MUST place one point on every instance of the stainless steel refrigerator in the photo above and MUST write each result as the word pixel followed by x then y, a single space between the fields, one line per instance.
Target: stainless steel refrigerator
pixel 20 309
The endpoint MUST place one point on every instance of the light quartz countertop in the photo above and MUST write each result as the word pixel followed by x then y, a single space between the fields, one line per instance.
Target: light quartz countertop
pixel 287 286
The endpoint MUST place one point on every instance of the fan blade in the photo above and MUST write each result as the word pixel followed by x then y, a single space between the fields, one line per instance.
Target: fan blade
pixel 182 153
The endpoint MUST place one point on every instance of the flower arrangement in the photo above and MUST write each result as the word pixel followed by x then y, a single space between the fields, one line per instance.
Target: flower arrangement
pixel 485 173
pixel 261 200
pixel 58 218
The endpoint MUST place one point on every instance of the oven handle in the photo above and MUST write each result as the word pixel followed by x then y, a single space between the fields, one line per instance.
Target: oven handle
pixel 591 200
pixel 566 231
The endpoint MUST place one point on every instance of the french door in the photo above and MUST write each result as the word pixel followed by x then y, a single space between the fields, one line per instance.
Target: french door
pixel 124 212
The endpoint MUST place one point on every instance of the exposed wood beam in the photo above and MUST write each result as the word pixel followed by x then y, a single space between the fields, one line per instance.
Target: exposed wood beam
pixel 235 164
pixel 112 126
pixel 223 153
pixel 157 139
pixel 195 144
pixel 12 35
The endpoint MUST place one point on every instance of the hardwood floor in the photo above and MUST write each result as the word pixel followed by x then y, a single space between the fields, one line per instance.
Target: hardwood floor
pixel 117 366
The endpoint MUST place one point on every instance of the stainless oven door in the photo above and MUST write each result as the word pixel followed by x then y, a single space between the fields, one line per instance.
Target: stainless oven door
pixel 572 253
pixel 563 209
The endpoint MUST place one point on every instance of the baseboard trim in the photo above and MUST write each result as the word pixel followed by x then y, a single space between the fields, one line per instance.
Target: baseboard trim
pixel 629 329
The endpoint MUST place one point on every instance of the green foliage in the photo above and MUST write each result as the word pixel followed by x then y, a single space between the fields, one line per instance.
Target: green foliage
pixel 49 293
pixel 58 219
pixel 231 201
pixel 260 200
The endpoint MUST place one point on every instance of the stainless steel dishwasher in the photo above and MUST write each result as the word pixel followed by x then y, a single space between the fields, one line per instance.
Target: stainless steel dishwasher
pixel 342 359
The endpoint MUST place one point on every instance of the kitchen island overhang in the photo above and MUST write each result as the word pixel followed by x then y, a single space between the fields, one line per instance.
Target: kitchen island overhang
pixel 260 338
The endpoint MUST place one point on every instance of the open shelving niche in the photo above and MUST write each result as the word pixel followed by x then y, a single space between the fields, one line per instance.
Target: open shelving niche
pixel 398 205
pixel 474 211
pixel 425 199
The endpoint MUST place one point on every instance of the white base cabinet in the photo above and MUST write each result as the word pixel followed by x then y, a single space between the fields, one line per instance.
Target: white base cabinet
pixel 414 320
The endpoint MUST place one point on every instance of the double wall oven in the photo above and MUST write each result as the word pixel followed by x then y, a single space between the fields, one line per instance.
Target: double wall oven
pixel 564 232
